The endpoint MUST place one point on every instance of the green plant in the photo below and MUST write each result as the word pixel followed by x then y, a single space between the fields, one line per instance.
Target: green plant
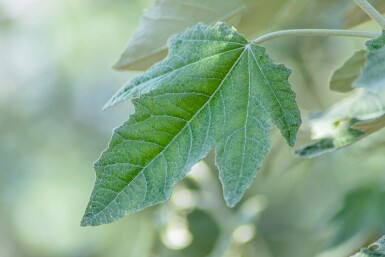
pixel 217 89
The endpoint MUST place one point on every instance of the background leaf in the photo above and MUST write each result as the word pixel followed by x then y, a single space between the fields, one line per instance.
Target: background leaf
pixel 167 17
pixel 345 123
pixel 214 88
pixel 359 115
pixel 313 13
pixel 363 69
pixel 373 73
pixel 344 78
pixel 370 126
pixel 251 17
pixel 361 213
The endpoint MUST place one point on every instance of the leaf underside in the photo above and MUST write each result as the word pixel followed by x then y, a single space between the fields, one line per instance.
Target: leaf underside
pixel 359 115
pixel 215 89
pixel 165 18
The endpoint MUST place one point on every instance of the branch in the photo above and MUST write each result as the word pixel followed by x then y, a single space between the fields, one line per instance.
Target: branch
pixel 372 12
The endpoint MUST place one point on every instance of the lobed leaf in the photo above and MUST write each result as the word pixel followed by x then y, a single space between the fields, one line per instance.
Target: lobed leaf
pixel 215 89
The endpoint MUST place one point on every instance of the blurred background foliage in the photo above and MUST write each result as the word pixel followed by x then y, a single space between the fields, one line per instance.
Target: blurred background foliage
pixel 55 75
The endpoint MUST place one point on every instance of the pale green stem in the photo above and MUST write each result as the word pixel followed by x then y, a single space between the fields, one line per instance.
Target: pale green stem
pixel 372 12
pixel 314 32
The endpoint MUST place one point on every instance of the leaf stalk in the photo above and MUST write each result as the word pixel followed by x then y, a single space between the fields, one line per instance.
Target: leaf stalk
pixel 314 32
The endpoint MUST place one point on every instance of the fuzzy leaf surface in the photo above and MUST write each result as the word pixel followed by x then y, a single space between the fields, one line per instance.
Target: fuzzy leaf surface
pixel 215 89
pixel 373 73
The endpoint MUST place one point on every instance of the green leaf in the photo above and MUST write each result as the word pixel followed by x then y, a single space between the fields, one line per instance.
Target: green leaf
pixel 214 89
pixel 346 122
pixel 361 213
pixel 375 250
pixel 358 115
pixel 148 44
pixel 351 75
pixel 344 78
pixel 366 68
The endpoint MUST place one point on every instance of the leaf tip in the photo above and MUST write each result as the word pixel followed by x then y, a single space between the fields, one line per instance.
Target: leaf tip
pixel 231 203
pixel 125 63
pixel 107 105
pixel 113 101
pixel 291 135
pixel 232 200
pixel 292 140
pixel 85 222
pixel 118 66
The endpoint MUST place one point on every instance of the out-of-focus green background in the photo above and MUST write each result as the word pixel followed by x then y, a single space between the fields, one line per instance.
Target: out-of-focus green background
pixel 55 76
